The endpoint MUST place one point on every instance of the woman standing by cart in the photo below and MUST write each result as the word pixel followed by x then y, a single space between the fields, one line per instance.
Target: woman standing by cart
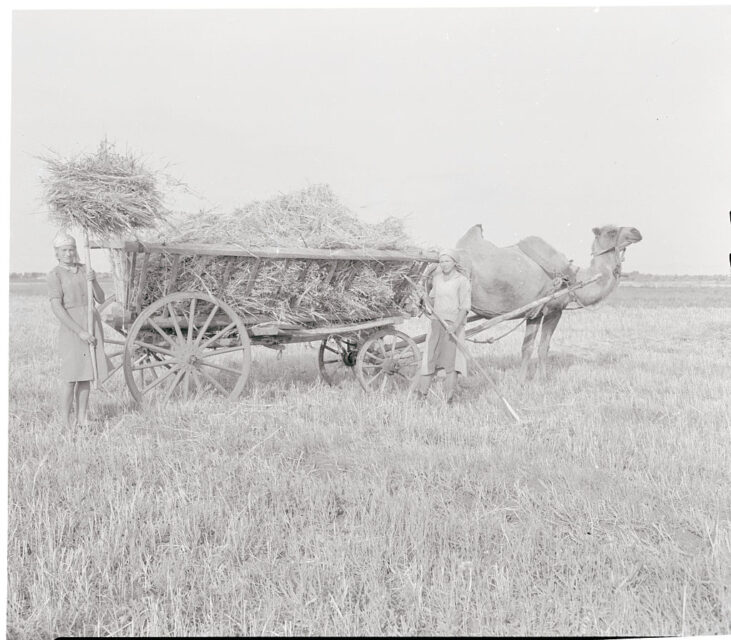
pixel 67 291
pixel 451 296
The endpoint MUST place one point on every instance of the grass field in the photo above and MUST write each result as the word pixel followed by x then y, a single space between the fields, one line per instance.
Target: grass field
pixel 305 509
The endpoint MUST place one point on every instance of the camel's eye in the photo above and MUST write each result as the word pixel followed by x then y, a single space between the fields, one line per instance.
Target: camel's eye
pixel 613 232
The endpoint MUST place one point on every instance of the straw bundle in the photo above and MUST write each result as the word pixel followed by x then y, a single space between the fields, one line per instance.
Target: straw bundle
pixel 106 193
pixel 303 291
pixel 312 217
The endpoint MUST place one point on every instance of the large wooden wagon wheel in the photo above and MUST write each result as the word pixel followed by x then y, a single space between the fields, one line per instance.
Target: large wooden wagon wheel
pixel 336 358
pixel 388 359
pixel 184 344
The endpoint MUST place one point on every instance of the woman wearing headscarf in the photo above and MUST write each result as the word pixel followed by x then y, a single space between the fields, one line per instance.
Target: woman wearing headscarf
pixel 67 291
pixel 451 298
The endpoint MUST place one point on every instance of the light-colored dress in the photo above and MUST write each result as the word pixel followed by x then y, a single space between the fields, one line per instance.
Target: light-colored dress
pixel 450 295
pixel 69 285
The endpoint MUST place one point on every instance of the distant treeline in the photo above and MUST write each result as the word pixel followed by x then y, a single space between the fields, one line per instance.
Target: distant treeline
pixel 41 275
pixel 636 275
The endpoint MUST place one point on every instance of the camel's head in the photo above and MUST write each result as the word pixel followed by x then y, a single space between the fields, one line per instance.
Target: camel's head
pixel 609 237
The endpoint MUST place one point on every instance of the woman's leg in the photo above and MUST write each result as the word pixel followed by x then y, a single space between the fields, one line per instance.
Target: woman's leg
pixel 68 403
pixel 451 385
pixel 424 383
pixel 82 401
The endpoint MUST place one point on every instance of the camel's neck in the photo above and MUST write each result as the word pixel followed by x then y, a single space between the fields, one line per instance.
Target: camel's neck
pixel 608 266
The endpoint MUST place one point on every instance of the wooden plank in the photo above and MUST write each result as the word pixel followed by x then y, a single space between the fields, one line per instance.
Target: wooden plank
pixel 252 277
pixel 216 323
pixel 293 299
pixel 421 267
pixel 403 289
pixel 173 274
pixel 331 272
pixel 142 282
pixel 199 249
pixel 132 265
pixel 349 276
pixel 281 282
pixel 226 275
pixel 318 333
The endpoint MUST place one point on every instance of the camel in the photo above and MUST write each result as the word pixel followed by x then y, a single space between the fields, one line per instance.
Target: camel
pixel 505 278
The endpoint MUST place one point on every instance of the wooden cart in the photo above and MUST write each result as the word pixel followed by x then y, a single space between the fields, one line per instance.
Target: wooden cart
pixel 188 342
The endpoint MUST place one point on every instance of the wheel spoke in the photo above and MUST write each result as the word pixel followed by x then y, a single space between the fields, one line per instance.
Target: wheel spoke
pixel 217 336
pixel 215 382
pixel 197 380
pixel 174 317
pixel 115 354
pixel 113 371
pixel 383 384
pixel 171 388
pixel 157 328
pixel 204 328
pixel 238 372
pixel 153 347
pixel 373 356
pixel 335 351
pixel 374 378
pixel 337 360
pixel 382 347
pixel 120 343
pixel 151 365
pixel 157 381
pixel 186 387
pixel 218 352
pixel 191 320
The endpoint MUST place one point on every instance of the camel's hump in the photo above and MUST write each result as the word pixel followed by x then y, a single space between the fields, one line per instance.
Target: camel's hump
pixel 545 256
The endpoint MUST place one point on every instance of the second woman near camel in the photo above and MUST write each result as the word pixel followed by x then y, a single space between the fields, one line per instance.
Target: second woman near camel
pixel 451 296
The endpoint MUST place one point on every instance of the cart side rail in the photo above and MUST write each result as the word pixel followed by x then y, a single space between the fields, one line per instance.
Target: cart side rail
pixel 233 250
pixel 262 281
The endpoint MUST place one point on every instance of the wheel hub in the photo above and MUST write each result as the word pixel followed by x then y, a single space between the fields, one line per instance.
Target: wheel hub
pixel 187 354
pixel 390 366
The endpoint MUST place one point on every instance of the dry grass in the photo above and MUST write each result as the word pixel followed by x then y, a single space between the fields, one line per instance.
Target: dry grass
pixel 313 217
pixel 304 509
pixel 108 193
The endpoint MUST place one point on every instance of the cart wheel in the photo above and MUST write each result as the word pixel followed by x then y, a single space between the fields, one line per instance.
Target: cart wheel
pixel 184 344
pixel 336 358
pixel 114 340
pixel 388 359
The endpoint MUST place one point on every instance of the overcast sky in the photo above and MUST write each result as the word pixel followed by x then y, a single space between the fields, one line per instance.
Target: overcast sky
pixel 532 121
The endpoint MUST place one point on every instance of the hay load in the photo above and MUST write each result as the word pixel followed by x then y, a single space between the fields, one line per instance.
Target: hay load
pixel 107 193
pixel 298 291
pixel 309 218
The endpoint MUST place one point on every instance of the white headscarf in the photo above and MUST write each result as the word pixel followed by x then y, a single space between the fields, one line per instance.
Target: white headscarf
pixel 451 253
pixel 63 239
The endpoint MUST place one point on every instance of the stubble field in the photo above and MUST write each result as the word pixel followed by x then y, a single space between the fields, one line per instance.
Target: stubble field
pixel 304 509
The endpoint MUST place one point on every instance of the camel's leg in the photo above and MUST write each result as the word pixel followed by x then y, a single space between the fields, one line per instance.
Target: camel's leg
pixel 549 326
pixel 531 331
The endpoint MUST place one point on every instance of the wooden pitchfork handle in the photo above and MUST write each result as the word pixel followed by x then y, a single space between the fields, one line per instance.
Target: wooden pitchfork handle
pixel 90 312
pixel 512 413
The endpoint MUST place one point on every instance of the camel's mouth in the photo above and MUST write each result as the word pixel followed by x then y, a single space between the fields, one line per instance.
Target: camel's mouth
pixel 631 235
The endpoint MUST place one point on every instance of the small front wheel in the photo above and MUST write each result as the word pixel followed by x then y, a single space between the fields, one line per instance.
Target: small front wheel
pixel 388 360
pixel 336 358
